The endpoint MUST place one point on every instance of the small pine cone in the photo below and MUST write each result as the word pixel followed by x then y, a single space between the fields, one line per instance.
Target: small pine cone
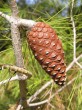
pixel 47 49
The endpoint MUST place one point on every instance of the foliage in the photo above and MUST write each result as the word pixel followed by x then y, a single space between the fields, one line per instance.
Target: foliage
pixel 58 16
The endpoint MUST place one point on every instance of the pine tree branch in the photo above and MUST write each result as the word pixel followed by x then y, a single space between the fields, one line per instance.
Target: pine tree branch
pixel 23 77
pixel 15 22
pixel 26 23
pixel 74 30
pixel 15 34
pixel 79 64
pixel 33 97
pixel 7 17
pixel 59 90
pixel 16 69
pixel 73 62
pixel 18 21
pixel 14 8
pixel 9 80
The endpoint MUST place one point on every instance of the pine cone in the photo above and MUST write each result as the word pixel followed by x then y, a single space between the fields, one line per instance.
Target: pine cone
pixel 47 49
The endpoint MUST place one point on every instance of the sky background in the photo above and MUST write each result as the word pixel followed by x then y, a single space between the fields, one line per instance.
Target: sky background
pixel 30 1
pixel 33 1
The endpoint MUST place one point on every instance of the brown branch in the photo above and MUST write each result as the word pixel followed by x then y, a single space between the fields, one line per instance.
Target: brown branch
pixel 16 69
pixel 14 8
pixel 15 34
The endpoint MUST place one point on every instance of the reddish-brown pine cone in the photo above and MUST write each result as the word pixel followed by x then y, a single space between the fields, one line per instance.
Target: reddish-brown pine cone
pixel 47 49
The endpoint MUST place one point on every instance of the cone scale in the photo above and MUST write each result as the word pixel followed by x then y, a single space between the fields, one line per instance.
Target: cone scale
pixel 47 49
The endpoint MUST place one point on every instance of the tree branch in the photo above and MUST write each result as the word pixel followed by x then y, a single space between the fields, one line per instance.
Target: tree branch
pixel 26 23
pixel 16 69
pixel 33 97
pixel 73 62
pixel 79 64
pixel 7 17
pixel 8 80
pixel 14 8
pixel 18 21
pixel 59 90
pixel 18 51
pixel 74 30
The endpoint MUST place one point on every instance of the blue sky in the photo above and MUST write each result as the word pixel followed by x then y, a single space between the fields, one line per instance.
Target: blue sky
pixel 30 1
pixel 33 1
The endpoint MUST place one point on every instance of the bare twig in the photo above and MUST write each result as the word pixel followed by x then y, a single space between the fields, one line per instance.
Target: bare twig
pixel 7 17
pixel 19 107
pixel 80 85
pixel 59 90
pixel 26 23
pixel 33 97
pixel 73 62
pixel 74 30
pixel 51 106
pixel 18 21
pixel 50 94
pixel 8 80
pixel 16 69
pixel 79 64
pixel 39 91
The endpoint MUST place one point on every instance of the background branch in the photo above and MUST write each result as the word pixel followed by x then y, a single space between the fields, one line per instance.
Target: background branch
pixel 74 30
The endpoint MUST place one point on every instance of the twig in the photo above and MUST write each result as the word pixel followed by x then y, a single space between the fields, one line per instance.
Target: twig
pixel 74 30
pixel 8 80
pixel 18 21
pixel 7 17
pixel 73 62
pixel 59 90
pixel 23 77
pixel 80 85
pixel 19 107
pixel 33 97
pixel 39 91
pixel 79 64
pixel 70 65
pixel 50 94
pixel 51 106
pixel 16 69
pixel 26 23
